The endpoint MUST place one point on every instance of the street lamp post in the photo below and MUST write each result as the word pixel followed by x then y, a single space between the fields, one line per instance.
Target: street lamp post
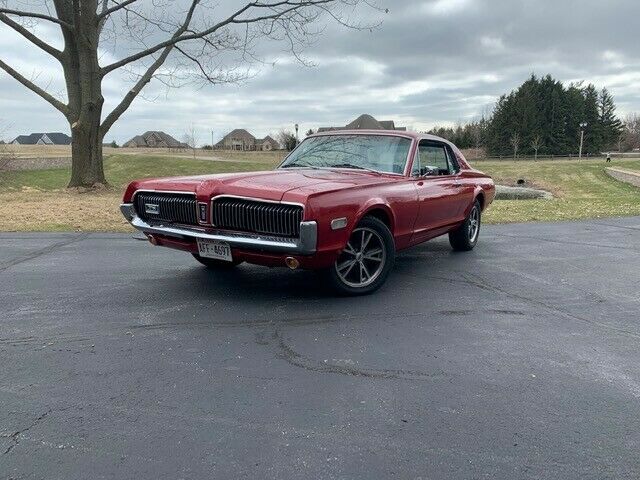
pixel 297 126
pixel 583 125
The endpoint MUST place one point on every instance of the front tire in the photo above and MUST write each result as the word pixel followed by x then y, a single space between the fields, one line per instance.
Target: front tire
pixel 215 264
pixel 365 263
pixel 465 237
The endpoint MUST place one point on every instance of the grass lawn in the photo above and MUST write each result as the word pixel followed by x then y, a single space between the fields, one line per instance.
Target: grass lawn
pixel 581 189
pixel 37 200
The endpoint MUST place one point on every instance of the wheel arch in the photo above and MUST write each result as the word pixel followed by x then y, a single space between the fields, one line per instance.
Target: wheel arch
pixel 479 195
pixel 379 210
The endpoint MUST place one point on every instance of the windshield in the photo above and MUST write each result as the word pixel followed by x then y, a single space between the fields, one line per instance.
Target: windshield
pixel 382 153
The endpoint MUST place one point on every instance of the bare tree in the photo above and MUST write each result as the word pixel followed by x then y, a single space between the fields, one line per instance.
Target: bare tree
pixel 515 142
pixel 175 42
pixel 6 153
pixel 190 138
pixel 631 133
pixel 536 143
pixel 287 140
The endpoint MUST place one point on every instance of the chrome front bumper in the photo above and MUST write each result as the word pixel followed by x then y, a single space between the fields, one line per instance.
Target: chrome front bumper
pixel 306 244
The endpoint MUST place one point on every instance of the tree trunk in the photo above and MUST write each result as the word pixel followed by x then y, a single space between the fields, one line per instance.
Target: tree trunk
pixel 83 77
pixel 86 154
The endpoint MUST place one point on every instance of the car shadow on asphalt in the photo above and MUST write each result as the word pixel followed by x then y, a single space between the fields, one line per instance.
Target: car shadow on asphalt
pixel 265 284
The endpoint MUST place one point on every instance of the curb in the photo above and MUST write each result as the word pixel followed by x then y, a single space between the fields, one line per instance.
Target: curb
pixel 626 176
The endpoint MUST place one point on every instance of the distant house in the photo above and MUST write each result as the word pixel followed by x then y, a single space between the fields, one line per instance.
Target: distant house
pixel 241 139
pixel 366 122
pixel 51 138
pixel 154 139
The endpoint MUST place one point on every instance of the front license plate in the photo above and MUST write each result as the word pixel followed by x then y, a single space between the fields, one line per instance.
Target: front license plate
pixel 215 249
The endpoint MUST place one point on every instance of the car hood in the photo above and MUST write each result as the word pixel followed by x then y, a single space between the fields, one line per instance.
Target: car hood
pixel 275 185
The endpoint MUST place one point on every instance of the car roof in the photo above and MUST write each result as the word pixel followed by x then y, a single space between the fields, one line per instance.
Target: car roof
pixel 396 133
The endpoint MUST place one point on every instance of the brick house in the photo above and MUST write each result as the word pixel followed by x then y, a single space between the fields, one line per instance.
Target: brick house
pixel 51 138
pixel 241 139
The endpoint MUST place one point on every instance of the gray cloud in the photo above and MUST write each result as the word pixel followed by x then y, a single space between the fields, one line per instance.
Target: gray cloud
pixel 431 62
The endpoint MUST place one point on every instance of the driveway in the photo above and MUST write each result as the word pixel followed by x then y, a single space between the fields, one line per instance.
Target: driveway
pixel 520 359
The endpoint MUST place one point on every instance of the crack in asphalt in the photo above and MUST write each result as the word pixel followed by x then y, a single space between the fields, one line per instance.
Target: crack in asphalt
pixel 297 359
pixel 42 251
pixel 624 227
pixel 15 437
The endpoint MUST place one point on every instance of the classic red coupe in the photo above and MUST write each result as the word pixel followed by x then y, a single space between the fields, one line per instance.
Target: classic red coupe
pixel 343 202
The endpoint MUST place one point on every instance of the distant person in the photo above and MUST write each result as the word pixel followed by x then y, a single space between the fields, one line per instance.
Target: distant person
pixel 608 157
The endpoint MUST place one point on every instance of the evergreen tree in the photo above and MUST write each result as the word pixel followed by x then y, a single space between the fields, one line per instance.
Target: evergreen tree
pixel 610 125
pixel 593 131
pixel 544 107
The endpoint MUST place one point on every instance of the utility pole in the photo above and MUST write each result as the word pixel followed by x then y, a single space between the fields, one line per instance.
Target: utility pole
pixel 583 125
pixel 211 139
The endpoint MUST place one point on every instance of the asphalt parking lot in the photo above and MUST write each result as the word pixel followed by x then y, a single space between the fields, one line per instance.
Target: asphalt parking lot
pixel 518 360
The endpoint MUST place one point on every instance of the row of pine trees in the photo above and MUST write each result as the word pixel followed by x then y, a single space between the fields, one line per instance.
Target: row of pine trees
pixel 543 117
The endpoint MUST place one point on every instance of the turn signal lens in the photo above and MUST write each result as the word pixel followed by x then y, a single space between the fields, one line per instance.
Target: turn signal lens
pixel 338 223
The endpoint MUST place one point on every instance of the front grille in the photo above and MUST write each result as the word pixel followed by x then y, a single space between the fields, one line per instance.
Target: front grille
pixel 256 216
pixel 167 207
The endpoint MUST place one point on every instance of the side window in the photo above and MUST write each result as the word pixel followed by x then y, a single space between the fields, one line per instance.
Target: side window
pixel 434 155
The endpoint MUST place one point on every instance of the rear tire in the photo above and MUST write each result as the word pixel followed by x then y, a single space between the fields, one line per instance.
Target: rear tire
pixel 365 263
pixel 465 237
pixel 216 264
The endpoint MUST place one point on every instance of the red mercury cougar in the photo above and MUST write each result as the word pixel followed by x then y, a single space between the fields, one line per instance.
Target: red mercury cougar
pixel 343 202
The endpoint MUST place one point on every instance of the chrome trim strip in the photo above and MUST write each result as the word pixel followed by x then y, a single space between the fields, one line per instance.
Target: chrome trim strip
pixel 160 191
pixel 256 199
pixel 305 245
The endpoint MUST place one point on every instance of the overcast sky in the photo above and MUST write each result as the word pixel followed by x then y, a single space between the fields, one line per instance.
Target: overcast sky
pixel 431 62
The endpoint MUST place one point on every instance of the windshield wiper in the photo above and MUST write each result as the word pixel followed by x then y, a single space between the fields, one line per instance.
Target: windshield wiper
pixel 301 165
pixel 357 167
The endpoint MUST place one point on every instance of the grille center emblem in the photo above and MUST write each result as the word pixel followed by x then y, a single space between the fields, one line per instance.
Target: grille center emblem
pixel 152 208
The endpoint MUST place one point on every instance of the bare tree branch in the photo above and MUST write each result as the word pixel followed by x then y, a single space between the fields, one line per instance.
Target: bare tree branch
pixel 146 78
pixel 31 37
pixel 232 19
pixel 108 11
pixel 41 16
pixel 34 88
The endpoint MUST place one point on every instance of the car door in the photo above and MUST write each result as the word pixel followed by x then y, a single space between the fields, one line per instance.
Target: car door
pixel 442 195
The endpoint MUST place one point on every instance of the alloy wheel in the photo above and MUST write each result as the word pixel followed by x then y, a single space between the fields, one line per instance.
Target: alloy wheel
pixel 474 224
pixel 363 259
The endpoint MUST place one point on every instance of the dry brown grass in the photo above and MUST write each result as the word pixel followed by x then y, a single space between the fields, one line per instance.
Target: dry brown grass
pixel 61 210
